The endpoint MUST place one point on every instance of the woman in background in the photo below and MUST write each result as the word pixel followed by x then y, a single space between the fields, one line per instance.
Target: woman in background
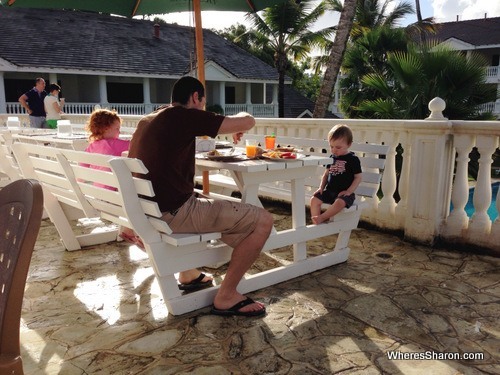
pixel 53 106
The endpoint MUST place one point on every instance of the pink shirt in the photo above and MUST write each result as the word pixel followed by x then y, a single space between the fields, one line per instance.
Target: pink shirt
pixel 111 146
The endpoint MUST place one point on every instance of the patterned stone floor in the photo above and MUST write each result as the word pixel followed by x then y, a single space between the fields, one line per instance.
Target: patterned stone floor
pixel 100 311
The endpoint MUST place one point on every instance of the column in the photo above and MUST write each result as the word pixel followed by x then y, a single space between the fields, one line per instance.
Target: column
pixel 222 95
pixel 52 78
pixel 103 91
pixel 146 93
pixel 275 100
pixel 3 99
pixel 248 97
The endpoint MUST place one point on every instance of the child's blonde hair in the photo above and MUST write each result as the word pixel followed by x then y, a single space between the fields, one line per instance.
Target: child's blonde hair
pixel 99 121
pixel 340 131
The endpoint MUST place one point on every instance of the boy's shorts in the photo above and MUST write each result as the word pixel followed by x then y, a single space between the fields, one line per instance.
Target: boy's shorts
pixel 327 196
pixel 236 221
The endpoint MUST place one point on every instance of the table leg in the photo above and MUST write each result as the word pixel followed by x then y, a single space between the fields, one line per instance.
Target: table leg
pixel 299 216
pixel 206 182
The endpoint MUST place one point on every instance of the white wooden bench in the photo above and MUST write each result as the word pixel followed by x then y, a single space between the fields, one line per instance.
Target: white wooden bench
pixel 372 157
pixel 66 181
pixel 9 170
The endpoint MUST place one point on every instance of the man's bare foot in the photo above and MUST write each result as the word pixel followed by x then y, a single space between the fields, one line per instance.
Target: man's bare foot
pixel 253 307
pixel 187 277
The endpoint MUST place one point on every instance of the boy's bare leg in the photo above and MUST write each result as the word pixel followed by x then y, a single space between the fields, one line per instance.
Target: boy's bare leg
pixel 242 258
pixel 315 206
pixel 334 209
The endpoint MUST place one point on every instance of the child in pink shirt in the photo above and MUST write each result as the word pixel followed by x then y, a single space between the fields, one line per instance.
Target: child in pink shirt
pixel 104 128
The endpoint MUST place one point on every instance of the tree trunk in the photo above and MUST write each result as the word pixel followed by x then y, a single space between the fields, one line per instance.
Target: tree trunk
pixel 335 59
pixel 281 64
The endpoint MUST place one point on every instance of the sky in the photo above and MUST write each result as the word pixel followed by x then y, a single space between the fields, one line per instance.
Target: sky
pixel 442 10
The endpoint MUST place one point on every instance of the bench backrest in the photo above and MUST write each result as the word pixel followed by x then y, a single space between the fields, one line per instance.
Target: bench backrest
pixel 8 166
pixel 112 194
pixel 372 158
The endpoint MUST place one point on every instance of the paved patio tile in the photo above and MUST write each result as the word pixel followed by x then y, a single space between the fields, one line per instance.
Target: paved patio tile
pixel 100 311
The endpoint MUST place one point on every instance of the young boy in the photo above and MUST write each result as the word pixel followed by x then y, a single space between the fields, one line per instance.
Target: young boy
pixel 340 179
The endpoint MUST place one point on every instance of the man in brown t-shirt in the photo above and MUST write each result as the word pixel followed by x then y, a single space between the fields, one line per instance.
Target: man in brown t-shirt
pixel 165 142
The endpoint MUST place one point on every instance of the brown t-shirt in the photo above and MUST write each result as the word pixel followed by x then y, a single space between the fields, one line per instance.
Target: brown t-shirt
pixel 165 142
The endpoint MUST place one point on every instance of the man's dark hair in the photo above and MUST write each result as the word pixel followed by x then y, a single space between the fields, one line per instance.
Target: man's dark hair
pixel 184 88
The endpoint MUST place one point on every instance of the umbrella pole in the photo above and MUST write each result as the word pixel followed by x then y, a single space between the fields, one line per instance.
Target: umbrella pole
pixel 200 59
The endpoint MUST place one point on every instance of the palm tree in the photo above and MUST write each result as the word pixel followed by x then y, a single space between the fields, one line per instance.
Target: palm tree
pixel 286 29
pixel 367 54
pixel 371 14
pixel 368 15
pixel 335 59
pixel 416 76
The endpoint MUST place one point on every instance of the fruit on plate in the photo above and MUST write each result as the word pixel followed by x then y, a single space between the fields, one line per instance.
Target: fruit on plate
pixel 280 155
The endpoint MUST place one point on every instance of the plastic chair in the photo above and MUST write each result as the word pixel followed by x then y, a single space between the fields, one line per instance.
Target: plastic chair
pixel 21 206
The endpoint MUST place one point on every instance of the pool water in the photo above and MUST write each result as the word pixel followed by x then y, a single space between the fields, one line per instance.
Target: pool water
pixel 492 210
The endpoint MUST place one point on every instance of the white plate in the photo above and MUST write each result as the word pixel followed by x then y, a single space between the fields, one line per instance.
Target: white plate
pixel 299 156
pixel 224 157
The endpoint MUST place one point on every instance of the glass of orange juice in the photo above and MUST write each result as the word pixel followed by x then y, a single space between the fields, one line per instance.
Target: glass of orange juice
pixel 251 148
pixel 270 142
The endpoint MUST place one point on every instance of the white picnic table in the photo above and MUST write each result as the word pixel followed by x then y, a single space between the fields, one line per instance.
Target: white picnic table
pixel 249 175
pixel 76 141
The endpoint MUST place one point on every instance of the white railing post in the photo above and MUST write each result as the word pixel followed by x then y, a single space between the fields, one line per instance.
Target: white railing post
pixel 387 206
pixel 404 177
pixel 458 221
pixel 430 178
pixel 480 223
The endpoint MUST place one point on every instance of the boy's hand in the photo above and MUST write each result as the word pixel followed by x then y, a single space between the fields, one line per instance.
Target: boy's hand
pixel 344 193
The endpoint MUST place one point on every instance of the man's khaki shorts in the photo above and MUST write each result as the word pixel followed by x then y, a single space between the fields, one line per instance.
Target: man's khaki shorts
pixel 199 215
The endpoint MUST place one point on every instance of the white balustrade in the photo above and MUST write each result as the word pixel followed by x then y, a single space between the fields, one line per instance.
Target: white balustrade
pixel 431 177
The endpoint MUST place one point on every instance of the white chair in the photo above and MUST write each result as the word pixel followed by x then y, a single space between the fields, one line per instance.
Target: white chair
pixel 64 128
pixel 13 122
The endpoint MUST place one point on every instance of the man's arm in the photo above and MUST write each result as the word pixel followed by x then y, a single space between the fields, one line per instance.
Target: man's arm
pixel 22 99
pixel 241 122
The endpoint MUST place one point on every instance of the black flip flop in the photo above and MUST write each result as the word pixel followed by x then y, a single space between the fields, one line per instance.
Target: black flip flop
pixel 196 284
pixel 235 310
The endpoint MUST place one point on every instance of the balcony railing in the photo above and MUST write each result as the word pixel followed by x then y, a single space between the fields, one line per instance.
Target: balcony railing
pixel 257 110
pixel 431 179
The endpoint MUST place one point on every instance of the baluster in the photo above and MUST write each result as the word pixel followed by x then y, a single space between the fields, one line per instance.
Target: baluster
pixel 458 220
pixel 401 207
pixel 495 227
pixel 480 223
pixel 370 212
pixel 387 205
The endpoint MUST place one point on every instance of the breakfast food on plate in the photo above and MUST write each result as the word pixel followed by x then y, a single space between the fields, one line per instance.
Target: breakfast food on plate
pixel 280 155
pixel 214 153
pixel 285 148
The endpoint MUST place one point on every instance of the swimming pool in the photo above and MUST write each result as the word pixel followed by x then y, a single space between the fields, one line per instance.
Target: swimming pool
pixel 492 210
